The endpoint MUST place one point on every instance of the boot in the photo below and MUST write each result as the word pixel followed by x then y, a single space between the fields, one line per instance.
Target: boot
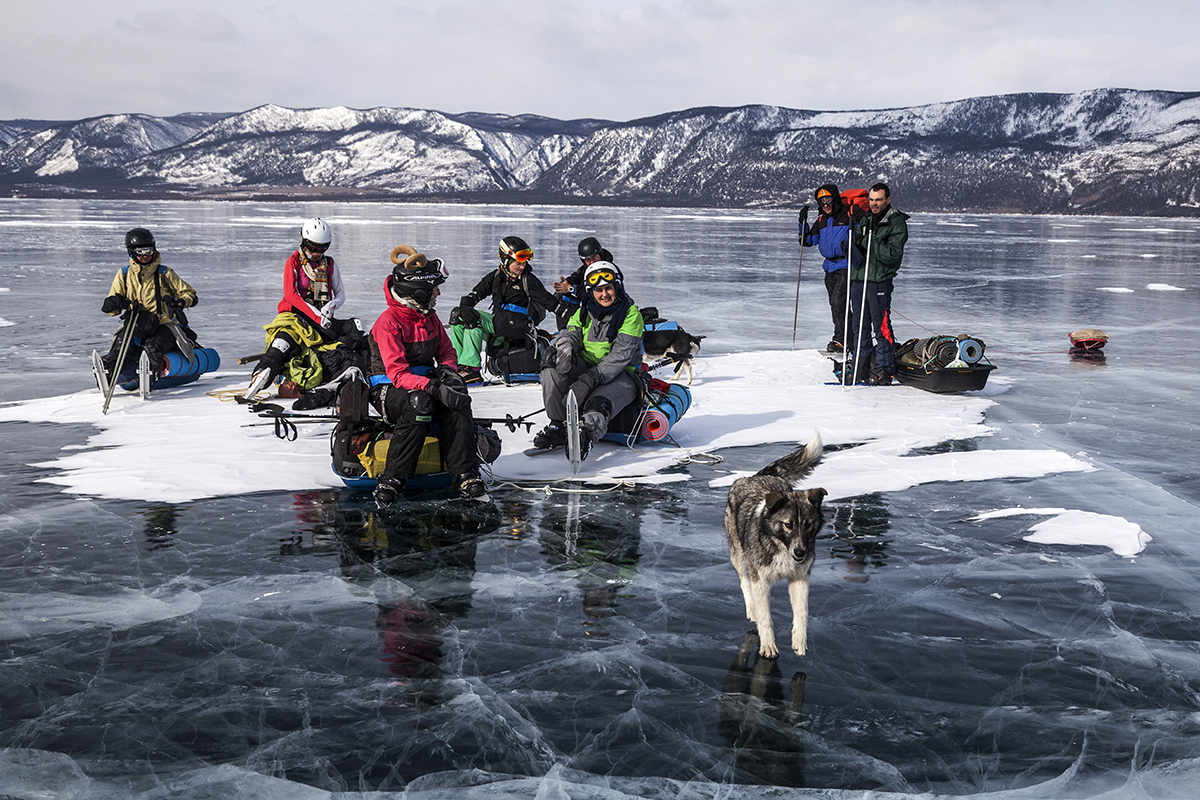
pixel 880 376
pixel 469 485
pixel 552 436
pixel 387 490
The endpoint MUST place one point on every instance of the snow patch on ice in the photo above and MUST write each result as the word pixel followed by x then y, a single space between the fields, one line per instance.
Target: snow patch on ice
pixel 1163 287
pixel 741 400
pixel 1072 527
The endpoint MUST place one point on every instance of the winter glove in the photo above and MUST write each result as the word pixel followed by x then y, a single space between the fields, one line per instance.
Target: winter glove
pixel 467 316
pixel 448 388
pixel 145 324
pixel 114 304
pixel 565 308
pixel 564 354
pixel 582 386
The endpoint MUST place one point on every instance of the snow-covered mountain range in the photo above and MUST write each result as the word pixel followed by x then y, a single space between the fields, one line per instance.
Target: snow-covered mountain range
pixel 1111 151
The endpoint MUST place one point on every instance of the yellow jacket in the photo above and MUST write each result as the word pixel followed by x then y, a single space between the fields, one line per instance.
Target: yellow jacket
pixel 136 283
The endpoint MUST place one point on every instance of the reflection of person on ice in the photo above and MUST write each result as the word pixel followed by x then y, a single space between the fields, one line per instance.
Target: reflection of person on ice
pixel 596 358
pixel 150 297
pixel 415 380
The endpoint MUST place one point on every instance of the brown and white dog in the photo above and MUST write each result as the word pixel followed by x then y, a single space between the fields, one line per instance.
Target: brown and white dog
pixel 772 533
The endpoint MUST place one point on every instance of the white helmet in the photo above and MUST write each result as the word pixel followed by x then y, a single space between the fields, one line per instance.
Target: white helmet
pixel 316 231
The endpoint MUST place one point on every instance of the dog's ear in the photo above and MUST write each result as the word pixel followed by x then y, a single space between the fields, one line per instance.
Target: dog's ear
pixel 814 497
pixel 776 501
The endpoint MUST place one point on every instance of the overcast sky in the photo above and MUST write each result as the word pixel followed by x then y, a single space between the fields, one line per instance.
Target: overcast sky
pixel 611 59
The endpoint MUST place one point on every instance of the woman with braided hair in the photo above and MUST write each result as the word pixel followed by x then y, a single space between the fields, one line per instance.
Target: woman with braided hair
pixel 415 381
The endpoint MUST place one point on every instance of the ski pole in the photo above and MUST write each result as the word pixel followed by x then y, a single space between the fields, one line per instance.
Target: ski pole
pixel 846 314
pixel 126 338
pixel 863 310
pixel 803 219
pixel 510 421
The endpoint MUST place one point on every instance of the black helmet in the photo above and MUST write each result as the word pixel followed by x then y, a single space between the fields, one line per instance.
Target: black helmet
pixel 589 247
pixel 416 276
pixel 138 237
pixel 514 248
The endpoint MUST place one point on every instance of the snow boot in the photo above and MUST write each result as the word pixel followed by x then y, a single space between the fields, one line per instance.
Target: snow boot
pixel 550 437
pixel 387 490
pixel 470 486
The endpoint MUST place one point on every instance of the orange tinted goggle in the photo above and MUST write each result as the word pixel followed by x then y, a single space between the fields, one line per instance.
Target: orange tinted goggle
pixel 521 255
pixel 600 276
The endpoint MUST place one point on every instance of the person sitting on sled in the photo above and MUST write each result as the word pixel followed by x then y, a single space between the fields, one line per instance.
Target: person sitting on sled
pixel 415 380
pixel 151 298
pixel 519 304
pixel 312 292
pixel 596 357
pixel 570 289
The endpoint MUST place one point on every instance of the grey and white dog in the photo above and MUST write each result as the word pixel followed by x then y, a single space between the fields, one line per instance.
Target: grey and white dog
pixel 772 534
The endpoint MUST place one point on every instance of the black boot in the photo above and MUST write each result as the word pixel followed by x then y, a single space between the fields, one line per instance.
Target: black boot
pixel 552 436
pixel 387 491
pixel 469 485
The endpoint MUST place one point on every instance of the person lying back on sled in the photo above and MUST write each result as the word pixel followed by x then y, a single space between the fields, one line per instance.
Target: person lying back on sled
pixel 415 381
pixel 519 304
pixel 596 357
pixel 305 328
pixel 151 297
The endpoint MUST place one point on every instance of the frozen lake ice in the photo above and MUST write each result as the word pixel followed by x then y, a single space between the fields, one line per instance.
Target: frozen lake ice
pixel 1004 601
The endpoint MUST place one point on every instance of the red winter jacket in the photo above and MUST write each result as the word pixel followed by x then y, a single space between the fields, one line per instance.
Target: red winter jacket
pixel 403 338
pixel 296 287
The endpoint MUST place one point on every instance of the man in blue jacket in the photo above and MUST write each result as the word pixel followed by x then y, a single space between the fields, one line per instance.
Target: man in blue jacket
pixel 831 234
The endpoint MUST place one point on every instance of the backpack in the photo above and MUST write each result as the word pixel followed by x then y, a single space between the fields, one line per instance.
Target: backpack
pixel 858 199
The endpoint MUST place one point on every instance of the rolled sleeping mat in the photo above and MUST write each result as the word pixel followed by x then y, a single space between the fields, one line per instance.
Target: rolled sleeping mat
pixel 176 371
pixel 660 418
pixel 970 350
pixel 654 426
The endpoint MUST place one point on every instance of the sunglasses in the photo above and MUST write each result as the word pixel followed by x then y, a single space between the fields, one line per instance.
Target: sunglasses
pixel 600 276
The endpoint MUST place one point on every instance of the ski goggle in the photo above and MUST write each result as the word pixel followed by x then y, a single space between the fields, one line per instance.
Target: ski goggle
pixel 142 252
pixel 521 256
pixel 314 247
pixel 599 278
pixel 827 200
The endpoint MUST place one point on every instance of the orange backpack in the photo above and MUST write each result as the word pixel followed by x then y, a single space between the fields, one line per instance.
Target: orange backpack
pixel 856 198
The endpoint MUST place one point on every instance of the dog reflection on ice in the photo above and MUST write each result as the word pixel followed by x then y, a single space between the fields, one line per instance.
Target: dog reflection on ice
pixel 772 534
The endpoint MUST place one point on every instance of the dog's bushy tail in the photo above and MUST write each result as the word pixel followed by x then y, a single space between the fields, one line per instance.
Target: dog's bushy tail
pixel 798 463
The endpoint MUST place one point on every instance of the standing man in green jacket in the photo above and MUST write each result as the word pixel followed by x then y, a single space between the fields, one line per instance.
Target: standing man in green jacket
pixel 880 236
